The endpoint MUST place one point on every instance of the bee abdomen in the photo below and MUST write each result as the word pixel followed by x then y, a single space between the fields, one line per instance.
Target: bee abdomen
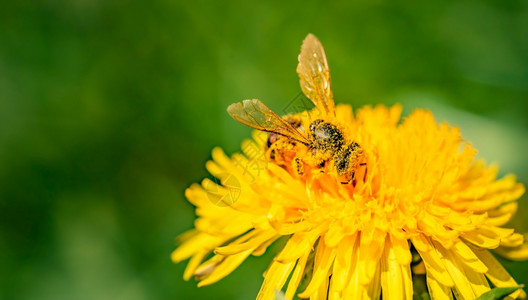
pixel 342 160
pixel 344 157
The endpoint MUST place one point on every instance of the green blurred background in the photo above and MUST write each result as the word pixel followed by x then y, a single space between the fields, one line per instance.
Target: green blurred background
pixel 109 109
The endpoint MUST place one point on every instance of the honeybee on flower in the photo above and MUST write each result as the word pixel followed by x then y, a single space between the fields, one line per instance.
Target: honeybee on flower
pixel 322 140
pixel 356 196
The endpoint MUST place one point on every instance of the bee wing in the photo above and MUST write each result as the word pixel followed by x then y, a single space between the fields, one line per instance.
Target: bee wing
pixel 314 75
pixel 255 114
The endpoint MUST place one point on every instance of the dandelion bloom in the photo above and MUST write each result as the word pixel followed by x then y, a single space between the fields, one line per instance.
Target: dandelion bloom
pixel 413 194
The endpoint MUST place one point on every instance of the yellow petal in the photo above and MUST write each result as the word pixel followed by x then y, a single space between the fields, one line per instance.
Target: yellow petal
pixel 435 266
pixel 333 294
pixel 493 231
pixel 478 238
pixel 517 253
pixel 437 291
pixel 354 289
pixel 260 250
pixel 260 137
pixel 299 244
pixel 297 276
pixel 322 292
pixel 208 266
pixel 396 282
pixel 196 243
pixel 374 286
pixel 370 250
pixel 342 263
pixel 275 278
pixel 193 264
pixel 500 220
pixel 324 258
pixel 502 214
pixel 290 228
pixel 402 251
pixel 506 208
pixel 496 272
pixel 225 267
pixel 421 243
pixel 514 240
pixel 296 190
pixel 500 191
pixel 334 235
pixel 276 215
pixel 228 225
pixel 469 258
pixel 468 283
pixel 252 243
pixel 233 165
pixel 434 225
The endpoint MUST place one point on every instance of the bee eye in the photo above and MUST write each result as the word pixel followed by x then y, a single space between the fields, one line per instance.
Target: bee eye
pixel 272 138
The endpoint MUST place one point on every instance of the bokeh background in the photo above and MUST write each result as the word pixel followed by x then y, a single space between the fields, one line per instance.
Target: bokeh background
pixel 109 109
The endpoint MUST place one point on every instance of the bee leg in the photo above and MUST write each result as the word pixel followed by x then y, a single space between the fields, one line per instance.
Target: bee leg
pixel 366 170
pixel 352 179
pixel 298 166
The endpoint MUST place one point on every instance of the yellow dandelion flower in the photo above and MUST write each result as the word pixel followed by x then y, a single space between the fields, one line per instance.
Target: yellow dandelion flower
pixel 355 195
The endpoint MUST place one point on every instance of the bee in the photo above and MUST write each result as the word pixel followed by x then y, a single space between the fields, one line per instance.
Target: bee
pixel 322 140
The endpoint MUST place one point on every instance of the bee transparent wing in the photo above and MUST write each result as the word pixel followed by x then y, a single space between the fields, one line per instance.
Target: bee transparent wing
pixel 314 75
pixel 255 114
